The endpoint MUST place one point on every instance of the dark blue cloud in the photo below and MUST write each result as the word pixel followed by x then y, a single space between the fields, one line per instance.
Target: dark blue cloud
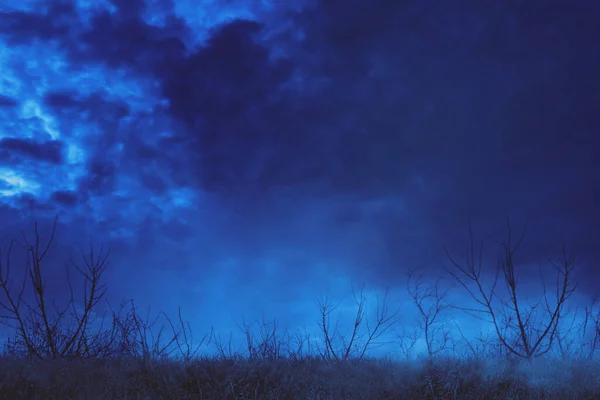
pixel 13 150
pixel 8 102
pixel 65 198
pixel 21 27
pixel 225 93
pixel 126 40
pixel 63 99
pixel 96 104
pixel 100 178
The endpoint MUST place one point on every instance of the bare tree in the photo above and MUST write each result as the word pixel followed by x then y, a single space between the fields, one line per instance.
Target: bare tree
pixel 364 334
pixel 525 330
pixel 431 302
pixel 43 331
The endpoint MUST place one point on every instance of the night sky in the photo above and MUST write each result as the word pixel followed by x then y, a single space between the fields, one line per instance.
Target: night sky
pixel 248 157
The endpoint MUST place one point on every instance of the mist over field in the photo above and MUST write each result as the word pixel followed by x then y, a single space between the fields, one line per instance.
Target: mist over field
pixel 245 159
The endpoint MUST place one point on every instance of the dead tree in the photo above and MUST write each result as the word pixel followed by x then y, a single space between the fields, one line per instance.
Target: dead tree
pixel 525 330
pixel 431 303
pixel 364 334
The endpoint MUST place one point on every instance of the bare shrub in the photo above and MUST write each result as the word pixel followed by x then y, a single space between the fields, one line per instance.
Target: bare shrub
pixel 590 330
pixel 431 303
pixel 407 340
pixel 187 347
pixel 364 333
pixel 269 343
pixel 485 345
pixel 144 338
pixel 224 349
pixel 44 330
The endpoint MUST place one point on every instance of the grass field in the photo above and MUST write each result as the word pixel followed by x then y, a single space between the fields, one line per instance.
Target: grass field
pixel 308 378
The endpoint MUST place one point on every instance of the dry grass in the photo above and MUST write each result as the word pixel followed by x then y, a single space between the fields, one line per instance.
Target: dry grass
pixel 308 378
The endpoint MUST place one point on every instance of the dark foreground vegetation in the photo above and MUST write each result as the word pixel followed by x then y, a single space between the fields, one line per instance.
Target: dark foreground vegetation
pixel 300 379
pixel 79 347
